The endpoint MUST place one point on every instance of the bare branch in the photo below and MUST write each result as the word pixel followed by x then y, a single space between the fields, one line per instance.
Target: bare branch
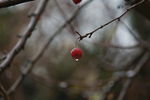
pixel 8 3
pixel 23 39
pixel 111 21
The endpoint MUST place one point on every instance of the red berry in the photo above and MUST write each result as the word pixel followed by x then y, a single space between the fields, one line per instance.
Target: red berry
pixel 76 53
pixel 76 1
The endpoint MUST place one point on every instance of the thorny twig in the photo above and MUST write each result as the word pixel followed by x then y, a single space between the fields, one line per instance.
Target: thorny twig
pixel 33 22
pixel 81 37
pixel 30 64
pixel 24 37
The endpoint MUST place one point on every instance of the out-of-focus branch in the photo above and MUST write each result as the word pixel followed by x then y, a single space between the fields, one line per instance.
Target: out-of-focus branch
pixel 70 26
pixel 132 74
pixel 4 93
pixel 129 75
pixel 8 3
pixel 2 58
pixel 109 45
pixel 24 37
pixel 142 43
pixel 29 66
pixel 111 21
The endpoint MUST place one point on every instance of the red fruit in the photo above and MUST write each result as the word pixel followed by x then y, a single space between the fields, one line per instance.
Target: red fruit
pixel 76 1
pixel 76 53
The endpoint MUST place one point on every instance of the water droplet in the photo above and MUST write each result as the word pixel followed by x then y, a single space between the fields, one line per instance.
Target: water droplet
pixel 76 59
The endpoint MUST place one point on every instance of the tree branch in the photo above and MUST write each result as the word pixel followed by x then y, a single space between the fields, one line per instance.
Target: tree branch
pixel 8 3
pixel 23 39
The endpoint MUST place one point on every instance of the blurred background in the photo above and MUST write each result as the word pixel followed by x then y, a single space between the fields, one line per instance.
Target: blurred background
pixel 114 49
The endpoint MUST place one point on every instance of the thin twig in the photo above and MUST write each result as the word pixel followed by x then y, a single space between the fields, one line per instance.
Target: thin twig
pixel 29 66
pixel 113 20
pixel 23 39
pixel 8 3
